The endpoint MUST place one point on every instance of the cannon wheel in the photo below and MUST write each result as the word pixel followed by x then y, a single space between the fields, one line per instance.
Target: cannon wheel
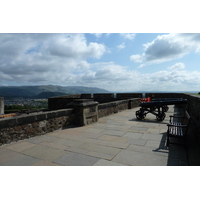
pixel 153 108
pixel 140 115
pixel 160 117
pixel 165 108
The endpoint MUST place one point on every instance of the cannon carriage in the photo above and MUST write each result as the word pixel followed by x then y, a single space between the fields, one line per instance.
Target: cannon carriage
pixel 157 107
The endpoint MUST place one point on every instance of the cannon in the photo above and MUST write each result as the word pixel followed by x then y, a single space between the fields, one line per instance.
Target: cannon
pixel 158 107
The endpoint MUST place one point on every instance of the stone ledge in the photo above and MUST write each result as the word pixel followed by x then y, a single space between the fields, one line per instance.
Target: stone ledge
pixel 34 117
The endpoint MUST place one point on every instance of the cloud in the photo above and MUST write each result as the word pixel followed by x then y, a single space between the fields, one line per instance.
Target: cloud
pixel 74 46
pixel 119 78
pixel 168 47
pixel 136 58
pixel 62 59
pixel 98 35
pixel 141 66
pixel 25 58
pixel 129 36
pixel 121 46
pixel 82 65
pixel 177 66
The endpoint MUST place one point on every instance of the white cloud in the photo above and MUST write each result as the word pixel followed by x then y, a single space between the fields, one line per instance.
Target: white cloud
pixel 141 66
pixel 61 59
pixel 121 46
pixel 25 58
pixel 169 47
pixel 136 58
pixel 118 78
pixel 177 66
pixel 129 36
pixel 98 35
pixel 82 65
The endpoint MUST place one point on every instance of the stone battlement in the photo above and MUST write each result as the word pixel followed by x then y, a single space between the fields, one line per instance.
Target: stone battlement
pixel 64 111
pixel 83 109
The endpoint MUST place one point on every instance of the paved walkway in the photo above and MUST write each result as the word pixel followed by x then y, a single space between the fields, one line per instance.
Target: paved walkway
pixel 116 140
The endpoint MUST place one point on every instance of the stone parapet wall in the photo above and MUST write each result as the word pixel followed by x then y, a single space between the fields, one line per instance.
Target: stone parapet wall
pixel 85 110
pixel 86 96
pixel 193 108
pixel 1 105
pixel 55 103
pixel 164 95
pixel 26 126
pixel 116 106
pixel 104 97
pixel 128 95
pixel 60 102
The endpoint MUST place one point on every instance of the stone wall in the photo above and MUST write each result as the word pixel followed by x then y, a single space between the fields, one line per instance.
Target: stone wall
pixel 104 97
pixel 55 103
pixel 61 102
pixel 26 126
pixel 85 110
pixel 120 96
pixel 1 105
pixel 164 95
pixel 116 106
pixel 193 136
pixel 82 112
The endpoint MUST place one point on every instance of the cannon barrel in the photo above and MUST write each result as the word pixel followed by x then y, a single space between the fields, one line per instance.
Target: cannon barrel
pixel 164 102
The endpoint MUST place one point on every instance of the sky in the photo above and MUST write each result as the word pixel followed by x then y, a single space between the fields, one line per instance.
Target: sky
pixel 113 61
pixel 123 48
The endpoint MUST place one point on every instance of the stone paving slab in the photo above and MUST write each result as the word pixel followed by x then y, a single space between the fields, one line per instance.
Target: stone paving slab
pixel 77 150
pixel 137 128
pixel 91 135
pixel 114 144
pixel 101 155
pixel 128 157
pixel 75 159
pixel 134 135
pixel 44 152
pixel 115 140
pixel 21 160
pixel 93 131
pixel 103 162
pixel 20 146
pixel 142 149
pixel 45 163
pixel 54 145
pixel 114 132
pixel 157 137
pixel 6 155
pixel 151 143
pixel 140 142
pixel 100 148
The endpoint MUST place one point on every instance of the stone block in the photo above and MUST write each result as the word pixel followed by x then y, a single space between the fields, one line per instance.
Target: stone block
pixel 8 122
pixel 26 119
pixel 21 160
pixel 75 159
pixel 51 115
pixel 41 117
pixel 43 152
pixel 140 159
pixel 103 162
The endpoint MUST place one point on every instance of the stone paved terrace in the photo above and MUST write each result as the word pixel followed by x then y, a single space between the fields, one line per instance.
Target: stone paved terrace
pixel 116 140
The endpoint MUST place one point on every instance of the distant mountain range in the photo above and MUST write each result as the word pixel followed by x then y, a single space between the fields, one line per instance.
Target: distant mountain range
pixel 45 91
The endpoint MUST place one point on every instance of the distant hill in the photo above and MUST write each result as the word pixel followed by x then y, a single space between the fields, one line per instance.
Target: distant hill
pixel 33 91
pixel 46 95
